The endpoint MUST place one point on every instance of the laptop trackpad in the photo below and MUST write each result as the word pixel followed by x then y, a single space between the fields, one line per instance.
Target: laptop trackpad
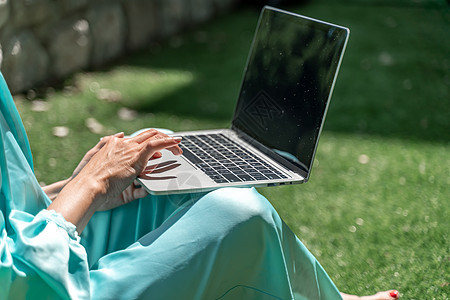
pixel 172 172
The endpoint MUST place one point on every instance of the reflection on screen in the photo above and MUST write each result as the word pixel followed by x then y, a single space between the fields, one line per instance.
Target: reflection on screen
pixel 287 83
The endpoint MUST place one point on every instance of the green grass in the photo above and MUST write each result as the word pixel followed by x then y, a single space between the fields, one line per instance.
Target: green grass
pixel 375 211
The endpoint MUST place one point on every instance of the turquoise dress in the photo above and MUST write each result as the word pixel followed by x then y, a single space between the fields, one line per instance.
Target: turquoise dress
pixel 226 244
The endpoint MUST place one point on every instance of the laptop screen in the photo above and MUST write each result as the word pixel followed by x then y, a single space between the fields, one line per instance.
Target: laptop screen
pixel 287 84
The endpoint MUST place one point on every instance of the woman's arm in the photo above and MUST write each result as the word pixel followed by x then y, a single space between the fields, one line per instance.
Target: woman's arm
pixel 109 172
pixel 52 190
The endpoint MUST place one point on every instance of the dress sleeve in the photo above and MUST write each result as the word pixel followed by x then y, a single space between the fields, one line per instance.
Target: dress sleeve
pixel 41 255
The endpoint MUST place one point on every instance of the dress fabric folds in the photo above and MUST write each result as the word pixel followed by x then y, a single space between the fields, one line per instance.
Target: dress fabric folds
pixel 226 244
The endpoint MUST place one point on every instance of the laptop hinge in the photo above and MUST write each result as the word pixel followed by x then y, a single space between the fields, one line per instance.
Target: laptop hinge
pixel 298 169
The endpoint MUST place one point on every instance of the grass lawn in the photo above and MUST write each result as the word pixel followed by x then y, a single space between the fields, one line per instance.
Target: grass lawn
pixel 376 209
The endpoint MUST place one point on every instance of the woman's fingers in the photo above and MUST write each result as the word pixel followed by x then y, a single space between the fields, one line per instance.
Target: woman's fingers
pixel 157 154
pixel 119 135
pixel 167 142
pixel 104 140
pixel 139 193
pixel 155 135
pixel 162 143
pixel 176 150
pixel 142 137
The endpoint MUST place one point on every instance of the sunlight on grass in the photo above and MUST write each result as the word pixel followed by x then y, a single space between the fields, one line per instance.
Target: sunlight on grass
pixel 138 84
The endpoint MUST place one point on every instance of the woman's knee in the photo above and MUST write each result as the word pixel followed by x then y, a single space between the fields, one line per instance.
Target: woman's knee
pixel 240 204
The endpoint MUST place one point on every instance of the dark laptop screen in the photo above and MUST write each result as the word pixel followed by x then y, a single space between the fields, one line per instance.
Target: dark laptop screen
pixel 287 83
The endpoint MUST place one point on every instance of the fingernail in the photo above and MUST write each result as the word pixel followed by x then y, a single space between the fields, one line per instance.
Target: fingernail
pixel 393 294
pixel 119 133
pixel 177 138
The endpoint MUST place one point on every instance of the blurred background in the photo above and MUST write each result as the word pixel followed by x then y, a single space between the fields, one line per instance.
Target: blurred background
pixel 376 209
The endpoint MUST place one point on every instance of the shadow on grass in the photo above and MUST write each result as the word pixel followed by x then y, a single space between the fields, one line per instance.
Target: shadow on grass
pixel 213 57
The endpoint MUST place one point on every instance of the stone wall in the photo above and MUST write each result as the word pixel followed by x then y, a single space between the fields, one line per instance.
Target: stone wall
pixel 43 40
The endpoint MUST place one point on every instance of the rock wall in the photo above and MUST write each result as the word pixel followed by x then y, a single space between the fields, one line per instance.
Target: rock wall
pixel 43 40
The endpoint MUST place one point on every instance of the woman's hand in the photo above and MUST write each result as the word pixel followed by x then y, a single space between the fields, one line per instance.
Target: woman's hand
pixel 130 194
pixel 87 157
pixel 117 162
pixel 109 170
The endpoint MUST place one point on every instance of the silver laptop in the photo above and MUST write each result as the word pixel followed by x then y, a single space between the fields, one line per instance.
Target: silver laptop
pixel 288 80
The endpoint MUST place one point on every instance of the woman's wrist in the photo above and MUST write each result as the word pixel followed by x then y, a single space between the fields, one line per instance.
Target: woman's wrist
pixel 79 200
pixel 52 190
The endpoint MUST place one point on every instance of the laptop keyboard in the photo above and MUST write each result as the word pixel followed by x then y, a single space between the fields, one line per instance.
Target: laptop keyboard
pixel 225 161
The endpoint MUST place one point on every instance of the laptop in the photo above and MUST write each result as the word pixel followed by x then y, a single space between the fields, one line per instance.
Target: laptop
pixel 286 88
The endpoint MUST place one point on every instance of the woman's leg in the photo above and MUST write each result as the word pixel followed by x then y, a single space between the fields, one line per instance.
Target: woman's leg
pixel 229 244
pixel 117 229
